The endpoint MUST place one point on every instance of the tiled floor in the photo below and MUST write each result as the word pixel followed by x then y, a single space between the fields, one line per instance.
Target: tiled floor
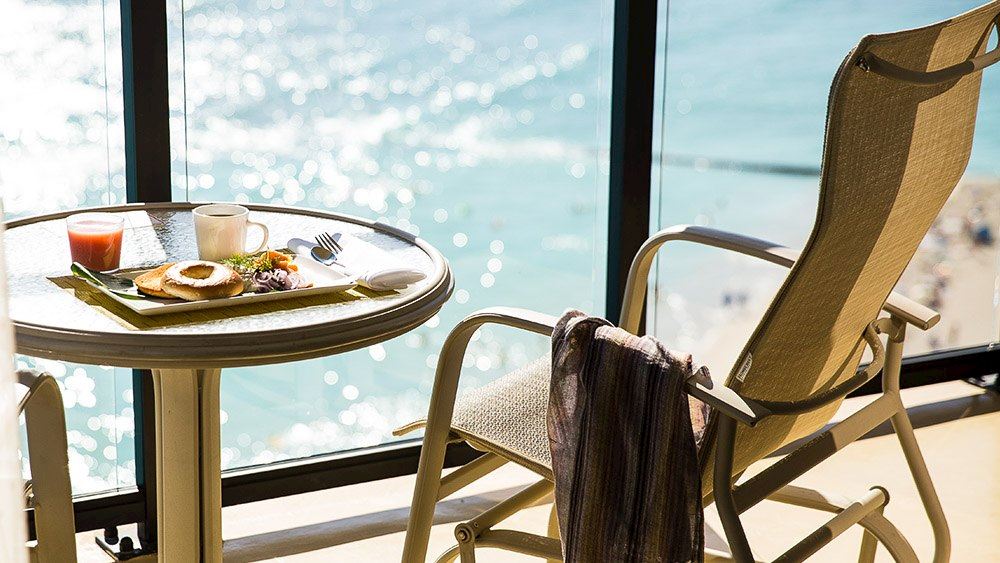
pixel 958 428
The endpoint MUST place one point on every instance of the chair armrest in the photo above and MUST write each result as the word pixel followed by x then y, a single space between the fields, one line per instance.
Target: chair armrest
pixel 449 366
pixel 453 350
pixel 36 381
pixel 28 377
pixel 638 277
pixel 750 412
pixel 898 305
pixel 524 319
pixel 725 400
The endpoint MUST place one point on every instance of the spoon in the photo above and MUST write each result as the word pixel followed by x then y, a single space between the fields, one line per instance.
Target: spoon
pixel 324 256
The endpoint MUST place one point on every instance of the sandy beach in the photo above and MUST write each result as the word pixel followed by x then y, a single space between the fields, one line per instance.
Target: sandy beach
pixel 952 273
pixel 957 275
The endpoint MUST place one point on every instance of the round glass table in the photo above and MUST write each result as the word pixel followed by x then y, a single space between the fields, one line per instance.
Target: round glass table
pixel 186 359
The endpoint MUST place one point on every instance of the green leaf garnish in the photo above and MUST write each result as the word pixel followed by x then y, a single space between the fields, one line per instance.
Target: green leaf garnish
pixel 249 263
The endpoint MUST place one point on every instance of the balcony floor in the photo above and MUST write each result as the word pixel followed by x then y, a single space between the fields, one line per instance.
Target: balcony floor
pixel 957 429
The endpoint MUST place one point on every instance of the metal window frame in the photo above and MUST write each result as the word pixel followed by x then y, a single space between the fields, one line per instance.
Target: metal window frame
pixel 146 92
pixel 147 134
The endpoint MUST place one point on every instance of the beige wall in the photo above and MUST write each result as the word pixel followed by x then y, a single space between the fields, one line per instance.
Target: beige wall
pixel 12 532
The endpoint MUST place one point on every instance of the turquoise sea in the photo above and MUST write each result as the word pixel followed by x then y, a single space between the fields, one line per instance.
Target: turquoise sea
pixel 482 127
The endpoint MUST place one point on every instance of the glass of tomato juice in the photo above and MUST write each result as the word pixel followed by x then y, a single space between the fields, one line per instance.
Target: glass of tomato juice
pixel 95 239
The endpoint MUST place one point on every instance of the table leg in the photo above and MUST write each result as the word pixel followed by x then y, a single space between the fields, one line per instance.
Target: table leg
pixel 188 465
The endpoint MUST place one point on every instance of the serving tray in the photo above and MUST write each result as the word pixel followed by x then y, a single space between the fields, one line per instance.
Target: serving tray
pixel 324 279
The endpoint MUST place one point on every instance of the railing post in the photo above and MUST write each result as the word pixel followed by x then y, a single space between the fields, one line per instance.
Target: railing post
pixel 147 179
pixel 631 159
pixel 145 95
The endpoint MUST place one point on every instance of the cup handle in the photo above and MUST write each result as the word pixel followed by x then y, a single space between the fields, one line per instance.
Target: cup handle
pixel 263 243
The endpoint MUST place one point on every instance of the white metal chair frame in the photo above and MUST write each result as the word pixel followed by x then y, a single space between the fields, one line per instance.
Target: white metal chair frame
pixel 730 499
pixel 48 492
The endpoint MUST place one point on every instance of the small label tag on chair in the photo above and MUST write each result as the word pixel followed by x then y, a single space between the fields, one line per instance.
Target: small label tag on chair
pixel 745 368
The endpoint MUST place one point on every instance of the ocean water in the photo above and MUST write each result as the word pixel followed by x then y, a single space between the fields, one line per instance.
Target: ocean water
pixel 475 128
pixel 481 127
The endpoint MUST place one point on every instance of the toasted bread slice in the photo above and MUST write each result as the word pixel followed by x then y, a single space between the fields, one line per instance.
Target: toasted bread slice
pixel 151 283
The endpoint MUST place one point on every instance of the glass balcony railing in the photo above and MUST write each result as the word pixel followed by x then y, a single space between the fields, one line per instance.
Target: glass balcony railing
pixel 741 132
pixel 479 127
pixel 482 128
pixel 61 147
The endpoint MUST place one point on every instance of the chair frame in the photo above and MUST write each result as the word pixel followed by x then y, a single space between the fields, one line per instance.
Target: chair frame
pixel 731 499
pixel 49 491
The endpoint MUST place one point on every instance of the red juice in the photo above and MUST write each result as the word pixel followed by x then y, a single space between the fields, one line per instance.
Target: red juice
pixel 95 240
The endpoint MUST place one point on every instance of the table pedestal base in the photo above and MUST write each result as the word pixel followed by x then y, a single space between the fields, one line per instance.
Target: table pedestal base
pixel 188 465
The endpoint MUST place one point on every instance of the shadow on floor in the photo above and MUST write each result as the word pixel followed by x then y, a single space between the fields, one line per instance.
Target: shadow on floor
pixel 282 543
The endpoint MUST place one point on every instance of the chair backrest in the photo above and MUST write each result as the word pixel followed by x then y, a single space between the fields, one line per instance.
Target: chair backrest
pixel 896 146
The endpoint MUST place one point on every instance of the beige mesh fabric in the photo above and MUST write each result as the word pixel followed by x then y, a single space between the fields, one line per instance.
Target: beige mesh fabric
pixel 894 152
pixel 507 417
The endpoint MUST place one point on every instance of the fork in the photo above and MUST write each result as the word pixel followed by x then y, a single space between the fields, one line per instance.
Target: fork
pixel 329 243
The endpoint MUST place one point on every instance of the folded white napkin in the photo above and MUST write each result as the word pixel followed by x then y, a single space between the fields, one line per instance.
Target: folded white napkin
pixel 376 269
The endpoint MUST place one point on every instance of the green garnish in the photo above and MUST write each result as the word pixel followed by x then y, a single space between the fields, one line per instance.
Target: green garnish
pixel 249 263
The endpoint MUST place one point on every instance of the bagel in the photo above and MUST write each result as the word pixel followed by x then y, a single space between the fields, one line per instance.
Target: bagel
pixel 195 280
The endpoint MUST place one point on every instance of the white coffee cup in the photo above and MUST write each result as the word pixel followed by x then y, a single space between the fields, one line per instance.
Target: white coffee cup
pixel 221 230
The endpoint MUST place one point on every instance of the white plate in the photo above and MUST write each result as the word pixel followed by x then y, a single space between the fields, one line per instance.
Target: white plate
pixel 324 280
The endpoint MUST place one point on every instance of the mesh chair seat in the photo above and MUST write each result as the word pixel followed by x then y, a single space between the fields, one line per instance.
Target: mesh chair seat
pixel 507 417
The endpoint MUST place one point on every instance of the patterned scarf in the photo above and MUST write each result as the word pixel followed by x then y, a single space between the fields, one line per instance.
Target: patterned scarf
pixel 624 438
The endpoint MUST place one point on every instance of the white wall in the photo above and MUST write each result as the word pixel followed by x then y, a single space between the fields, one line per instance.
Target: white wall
pixel 12 526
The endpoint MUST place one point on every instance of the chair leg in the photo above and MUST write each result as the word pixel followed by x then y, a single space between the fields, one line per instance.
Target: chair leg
pixel 425 495
pixel 723 484
pixel 911 450
pixel 869 543
pixel 918 468
pixel 553 528
pixel 466 536
pixel 427 490
pixel 467 552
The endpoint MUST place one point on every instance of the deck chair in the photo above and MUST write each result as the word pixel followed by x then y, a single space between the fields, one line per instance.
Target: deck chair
pixel 48 492
pixel 900 122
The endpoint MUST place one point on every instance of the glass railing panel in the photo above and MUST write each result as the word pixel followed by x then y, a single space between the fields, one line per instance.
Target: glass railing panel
pixel 743 106
pixel 708 301
pixel 61 147
pixel 480 127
